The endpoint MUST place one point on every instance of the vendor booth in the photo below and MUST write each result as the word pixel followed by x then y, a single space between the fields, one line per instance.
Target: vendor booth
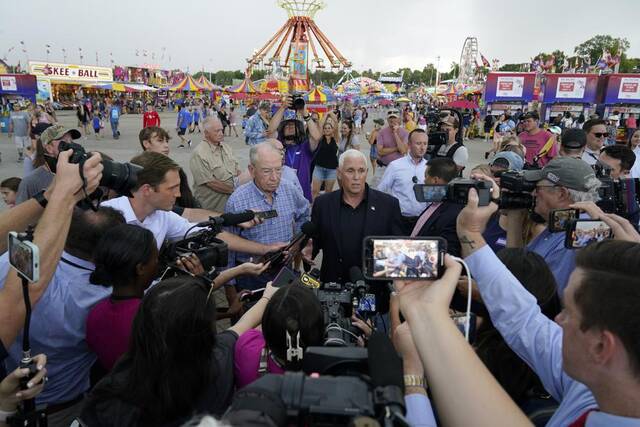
pixel 67 80
pixel 15 88
pixel 574 93
pixel 620 93
pixel 506 92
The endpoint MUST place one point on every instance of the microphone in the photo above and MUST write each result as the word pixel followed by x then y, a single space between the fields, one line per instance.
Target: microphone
pixel 227 219
pixel 385 367
pixel 277 258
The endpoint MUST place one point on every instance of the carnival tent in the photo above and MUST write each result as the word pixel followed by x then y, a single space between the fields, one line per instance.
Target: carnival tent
pixel 246 86
pixel 206 84
pixel 188 84
pixel 320 94
pixel 272 85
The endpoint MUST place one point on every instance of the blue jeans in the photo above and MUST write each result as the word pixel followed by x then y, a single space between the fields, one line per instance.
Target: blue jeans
pixel 114 128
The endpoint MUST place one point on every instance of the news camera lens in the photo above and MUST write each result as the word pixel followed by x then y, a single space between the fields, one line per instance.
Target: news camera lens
pixel 516 201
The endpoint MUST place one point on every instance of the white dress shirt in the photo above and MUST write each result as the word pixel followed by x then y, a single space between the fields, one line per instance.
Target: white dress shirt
pixel 398 182
pixel 590 156
pixel 635 170
pixel 163 224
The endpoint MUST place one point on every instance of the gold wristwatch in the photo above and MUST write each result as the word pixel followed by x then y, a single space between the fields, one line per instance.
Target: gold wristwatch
pixel 414 381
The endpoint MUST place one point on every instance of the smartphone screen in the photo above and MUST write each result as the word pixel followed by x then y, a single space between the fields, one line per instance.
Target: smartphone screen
pixel 403 258
pixel 560 218
pixel 23 256
pixel 582 232
pixel 430 193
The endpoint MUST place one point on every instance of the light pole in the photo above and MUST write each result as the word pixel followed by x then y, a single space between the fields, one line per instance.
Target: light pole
pixel 438 70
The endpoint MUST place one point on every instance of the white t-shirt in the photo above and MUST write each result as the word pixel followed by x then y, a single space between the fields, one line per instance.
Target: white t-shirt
pixel 460 157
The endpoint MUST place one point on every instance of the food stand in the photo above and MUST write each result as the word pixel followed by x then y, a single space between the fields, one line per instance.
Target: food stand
pixel 506 92
pixel 620 93
pixel 575 93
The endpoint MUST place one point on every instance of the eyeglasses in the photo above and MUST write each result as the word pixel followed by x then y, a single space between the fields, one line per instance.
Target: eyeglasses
pixel 601 134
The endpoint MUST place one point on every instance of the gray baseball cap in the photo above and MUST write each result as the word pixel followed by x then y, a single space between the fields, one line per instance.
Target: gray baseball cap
pixel 568 172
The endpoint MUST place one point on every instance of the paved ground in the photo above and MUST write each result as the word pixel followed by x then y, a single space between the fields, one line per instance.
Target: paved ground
pixel 128 146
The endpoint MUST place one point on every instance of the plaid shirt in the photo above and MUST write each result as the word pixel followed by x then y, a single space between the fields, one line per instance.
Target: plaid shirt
pixel 293 211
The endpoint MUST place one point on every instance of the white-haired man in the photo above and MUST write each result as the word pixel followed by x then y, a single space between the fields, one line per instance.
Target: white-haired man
pixel 344 218
pixel 213 167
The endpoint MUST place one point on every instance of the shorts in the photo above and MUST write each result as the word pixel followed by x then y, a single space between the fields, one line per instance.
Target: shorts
pixel 324 174
pixel 358 123
pixel 182 131
pixel 22 142
pixel 96 130
pixel 373 152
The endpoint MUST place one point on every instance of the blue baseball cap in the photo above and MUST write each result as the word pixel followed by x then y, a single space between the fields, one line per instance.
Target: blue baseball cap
pixel 508 160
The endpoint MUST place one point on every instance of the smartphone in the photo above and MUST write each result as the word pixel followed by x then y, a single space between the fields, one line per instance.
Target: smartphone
pixel 284 277
pixel 430 193
pixel 266 214
pixel 581 232
pixel 559 218
pixel 24 257
pixel 389 258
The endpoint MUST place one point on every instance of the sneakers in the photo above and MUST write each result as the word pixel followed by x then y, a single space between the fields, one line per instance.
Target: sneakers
pixel 181 146
pixel 189 142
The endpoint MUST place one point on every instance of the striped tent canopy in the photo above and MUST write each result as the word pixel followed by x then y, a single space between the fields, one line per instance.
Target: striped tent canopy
pixel 188 84
pixel 320 94
pixel 206 84
pixel 246 86
pixel 122 87
pixel 272 85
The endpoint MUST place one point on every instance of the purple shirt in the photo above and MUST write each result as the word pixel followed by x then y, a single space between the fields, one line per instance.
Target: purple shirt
pixel 386 139
pixel 109 328
pixel 247 358
pixel 299 157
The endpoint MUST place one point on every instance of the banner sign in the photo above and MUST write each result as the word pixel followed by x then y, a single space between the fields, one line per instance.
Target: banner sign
pixel 629 88
pixel 509 87
pixel 56 71
pixel 622 89
pixel 571 87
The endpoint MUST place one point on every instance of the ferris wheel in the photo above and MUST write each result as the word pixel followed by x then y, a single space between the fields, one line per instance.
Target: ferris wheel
pixel 468 61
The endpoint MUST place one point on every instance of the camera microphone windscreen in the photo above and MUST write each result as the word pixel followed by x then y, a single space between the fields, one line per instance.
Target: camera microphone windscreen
pixel 309 229
pixel 228 219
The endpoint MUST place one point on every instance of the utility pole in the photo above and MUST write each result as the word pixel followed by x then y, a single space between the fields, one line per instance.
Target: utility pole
pixel 438 70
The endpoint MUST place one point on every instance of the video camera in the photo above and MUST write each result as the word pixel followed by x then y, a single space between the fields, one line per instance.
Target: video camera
pixel 438 137
pixel 120 177
pixel 456 191
pixel 367 388
pixel 519 191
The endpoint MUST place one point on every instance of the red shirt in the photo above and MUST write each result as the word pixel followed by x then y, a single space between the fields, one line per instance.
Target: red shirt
pixel 150 118
pixel 534 144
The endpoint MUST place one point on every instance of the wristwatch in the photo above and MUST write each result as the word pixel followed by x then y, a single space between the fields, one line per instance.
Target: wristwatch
pixel 39 197
pixel 415 381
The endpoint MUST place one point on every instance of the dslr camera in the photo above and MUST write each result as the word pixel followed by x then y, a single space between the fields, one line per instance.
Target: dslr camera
pixel 297 101
pixel 518 194
pixel 120 177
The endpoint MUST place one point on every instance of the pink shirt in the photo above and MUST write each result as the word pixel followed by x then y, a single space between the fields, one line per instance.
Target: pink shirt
pixel 109 328
pixel 247 358
pixel 631 123
pixel 387 139
pixel 534 144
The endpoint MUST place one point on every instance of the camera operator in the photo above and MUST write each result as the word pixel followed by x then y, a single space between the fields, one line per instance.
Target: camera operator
pixel 572 143
pixel 344 218
pixel 563 181
pixel 42 176
pixel 596 130
pixel 401 175
pixel 293 318
pixel 452 148
pixel 267 192
pixel 176 364
pixel 299 149
pixel 155 193
pixel 439 219
pixel 589 359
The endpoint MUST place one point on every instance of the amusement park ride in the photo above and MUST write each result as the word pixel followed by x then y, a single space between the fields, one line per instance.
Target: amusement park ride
pixel 293 40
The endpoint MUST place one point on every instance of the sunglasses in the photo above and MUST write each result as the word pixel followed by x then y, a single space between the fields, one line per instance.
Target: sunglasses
pixel 601 134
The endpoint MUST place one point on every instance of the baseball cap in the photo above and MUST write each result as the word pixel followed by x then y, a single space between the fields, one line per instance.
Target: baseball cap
pixel 450 120
pixel 393 113
pixel 530 115
pixel 573 138
pixel 508 160
pixel 568 172
pixel 56 132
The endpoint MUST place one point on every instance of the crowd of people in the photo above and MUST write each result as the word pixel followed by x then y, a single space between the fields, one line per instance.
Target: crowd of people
pixel 121 343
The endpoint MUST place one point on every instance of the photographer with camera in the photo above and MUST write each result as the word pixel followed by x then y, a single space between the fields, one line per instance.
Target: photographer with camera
pixel 176 365
pixel 40 178
pixel 452 148
pixel 299 149
pixel 562 182
pixel 589 359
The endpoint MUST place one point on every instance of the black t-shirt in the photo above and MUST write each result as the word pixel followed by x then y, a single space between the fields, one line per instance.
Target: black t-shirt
pixel 103 409
pixel 3 355
pixel 327 154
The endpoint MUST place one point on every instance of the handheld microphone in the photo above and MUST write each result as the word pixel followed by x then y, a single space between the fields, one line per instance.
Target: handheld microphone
pixel 385 367
pixel 277 258
pixel 228 219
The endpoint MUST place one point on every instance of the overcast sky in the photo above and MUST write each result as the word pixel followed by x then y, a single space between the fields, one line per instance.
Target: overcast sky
pixel 376 34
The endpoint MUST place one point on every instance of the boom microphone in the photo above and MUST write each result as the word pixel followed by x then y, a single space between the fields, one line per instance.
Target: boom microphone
pixel 228 219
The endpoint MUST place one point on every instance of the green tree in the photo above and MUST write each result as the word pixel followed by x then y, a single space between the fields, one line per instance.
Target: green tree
pixel 511 67
pixel 595 45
